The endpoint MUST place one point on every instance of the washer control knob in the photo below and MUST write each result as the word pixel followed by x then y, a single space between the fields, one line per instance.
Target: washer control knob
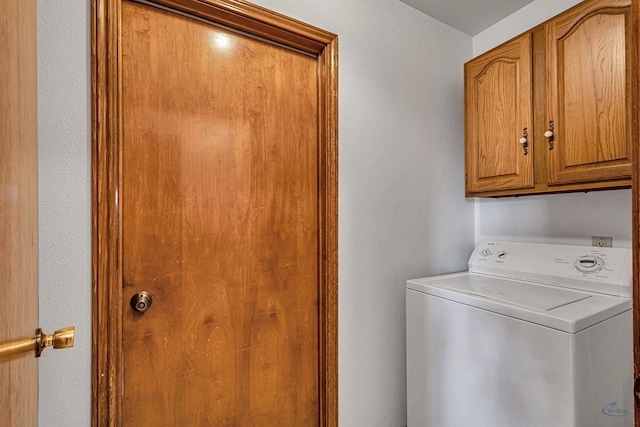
pixel 589 264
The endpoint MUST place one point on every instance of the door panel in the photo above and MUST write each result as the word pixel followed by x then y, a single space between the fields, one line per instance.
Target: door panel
pixel 498 109
pixel 219 198
pixel 590 105
pixel 18 209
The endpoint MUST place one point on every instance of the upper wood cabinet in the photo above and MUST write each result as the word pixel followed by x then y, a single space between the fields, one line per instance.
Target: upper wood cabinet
pixel 499 113
pixel 570 76
pixel 588 92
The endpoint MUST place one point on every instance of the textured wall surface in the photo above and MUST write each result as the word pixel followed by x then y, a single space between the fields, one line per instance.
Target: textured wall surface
pixel 524 19
pixel 402 207
pixel 64 187
pixel 560 218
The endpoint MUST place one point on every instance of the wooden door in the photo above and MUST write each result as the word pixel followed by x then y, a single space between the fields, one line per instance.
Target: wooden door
pixel 220 166
pixel 589 102
pixel 498 114
pixel 18 209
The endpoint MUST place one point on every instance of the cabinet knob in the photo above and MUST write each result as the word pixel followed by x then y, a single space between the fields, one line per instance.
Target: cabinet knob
pixel 549 134
pixel 525 141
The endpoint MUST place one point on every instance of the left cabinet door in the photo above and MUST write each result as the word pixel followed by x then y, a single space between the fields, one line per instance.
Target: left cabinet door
pixel 498 115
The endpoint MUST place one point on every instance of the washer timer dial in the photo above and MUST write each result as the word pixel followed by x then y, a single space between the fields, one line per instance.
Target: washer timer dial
pixel 589 264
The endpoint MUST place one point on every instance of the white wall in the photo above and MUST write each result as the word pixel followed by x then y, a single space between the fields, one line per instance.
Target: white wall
pixel 571 218
pixel 524 19
pixel 402 210
pixel 64 181
pixel 560 218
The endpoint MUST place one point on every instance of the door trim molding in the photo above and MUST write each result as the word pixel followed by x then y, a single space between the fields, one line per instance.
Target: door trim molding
pixel 106 136
pixel 635 189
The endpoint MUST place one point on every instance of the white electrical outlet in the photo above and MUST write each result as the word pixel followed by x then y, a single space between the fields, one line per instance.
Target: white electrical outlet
pixel 602 241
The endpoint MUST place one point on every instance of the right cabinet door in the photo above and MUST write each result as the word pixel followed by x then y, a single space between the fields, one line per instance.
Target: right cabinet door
pixel 588 93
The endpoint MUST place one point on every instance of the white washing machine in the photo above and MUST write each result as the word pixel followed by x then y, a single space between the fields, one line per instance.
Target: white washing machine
pixel 533 335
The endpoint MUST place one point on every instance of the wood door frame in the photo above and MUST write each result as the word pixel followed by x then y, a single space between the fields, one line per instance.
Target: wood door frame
pixel 635 189
pixel 250 19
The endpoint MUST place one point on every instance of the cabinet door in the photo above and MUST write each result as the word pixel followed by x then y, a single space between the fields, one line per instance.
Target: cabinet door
pixel 588 85
pixel 498 113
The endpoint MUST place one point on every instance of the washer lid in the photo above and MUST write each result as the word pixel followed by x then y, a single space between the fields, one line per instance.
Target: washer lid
pixel 512 292
pixel 563 309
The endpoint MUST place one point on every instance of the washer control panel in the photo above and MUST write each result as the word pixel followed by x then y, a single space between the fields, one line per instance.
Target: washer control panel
pixel 604 270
